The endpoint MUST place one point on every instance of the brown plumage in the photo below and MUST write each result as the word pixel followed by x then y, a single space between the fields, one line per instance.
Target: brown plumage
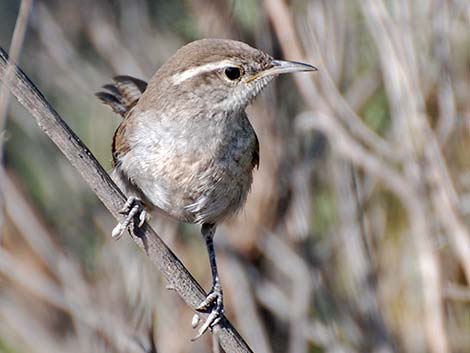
pixel 185 146
pixel 121 96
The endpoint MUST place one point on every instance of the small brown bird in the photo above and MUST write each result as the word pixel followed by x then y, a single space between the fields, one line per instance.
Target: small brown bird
pixel 185 146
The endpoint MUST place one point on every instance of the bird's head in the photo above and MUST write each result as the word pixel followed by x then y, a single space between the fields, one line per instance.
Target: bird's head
pixel 219 73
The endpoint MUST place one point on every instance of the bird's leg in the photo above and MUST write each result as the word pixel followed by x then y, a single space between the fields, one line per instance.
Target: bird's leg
pixel 133 208
pixel 214 302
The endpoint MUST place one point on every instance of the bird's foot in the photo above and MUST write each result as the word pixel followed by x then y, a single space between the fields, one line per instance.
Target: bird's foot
pixel 214 305
pixel 133 209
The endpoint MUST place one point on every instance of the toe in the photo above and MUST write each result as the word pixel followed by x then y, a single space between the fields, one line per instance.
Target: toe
pixel 207 303
pixel 195 321
pixel 128 205
pixel 142 217
pixel 118 230
pixel 212 320
pixel 132 209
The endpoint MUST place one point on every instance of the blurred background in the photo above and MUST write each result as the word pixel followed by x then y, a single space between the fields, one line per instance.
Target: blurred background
pixel 355 236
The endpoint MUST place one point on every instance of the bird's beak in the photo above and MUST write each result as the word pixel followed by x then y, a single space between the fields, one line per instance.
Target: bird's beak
pixel 283 67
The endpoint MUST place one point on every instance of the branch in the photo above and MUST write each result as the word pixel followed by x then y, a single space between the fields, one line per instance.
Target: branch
pixel 15 49
pixel 83 160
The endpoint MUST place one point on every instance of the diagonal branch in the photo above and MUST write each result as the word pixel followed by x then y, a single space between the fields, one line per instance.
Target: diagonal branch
pixel 177 276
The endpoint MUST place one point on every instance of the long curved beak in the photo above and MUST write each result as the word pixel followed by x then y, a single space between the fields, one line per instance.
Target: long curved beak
pixel 283 67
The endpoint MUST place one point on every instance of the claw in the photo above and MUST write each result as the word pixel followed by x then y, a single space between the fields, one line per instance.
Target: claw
pixel 212 320
pixel 215 301
pixel 131 209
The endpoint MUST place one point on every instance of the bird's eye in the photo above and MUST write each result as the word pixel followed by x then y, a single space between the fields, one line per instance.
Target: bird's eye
pixel 233 73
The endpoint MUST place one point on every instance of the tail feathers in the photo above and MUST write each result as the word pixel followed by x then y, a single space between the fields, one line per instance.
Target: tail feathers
pixel 122 94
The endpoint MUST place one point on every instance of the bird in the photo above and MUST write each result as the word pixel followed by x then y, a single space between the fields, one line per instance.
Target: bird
pixel 185 147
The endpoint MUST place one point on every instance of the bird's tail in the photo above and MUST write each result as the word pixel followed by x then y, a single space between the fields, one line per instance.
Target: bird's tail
pixel 122 94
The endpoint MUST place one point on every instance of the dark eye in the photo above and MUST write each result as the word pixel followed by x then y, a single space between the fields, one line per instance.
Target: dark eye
pixel 233 73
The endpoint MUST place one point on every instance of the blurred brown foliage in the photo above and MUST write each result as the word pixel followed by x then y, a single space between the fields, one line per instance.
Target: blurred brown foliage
pixel 355 235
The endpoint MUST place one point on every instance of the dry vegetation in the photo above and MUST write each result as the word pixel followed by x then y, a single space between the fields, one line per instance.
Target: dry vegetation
pixel 355 236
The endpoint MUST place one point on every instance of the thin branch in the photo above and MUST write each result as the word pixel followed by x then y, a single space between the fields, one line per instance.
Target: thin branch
pixel 322 116
pixel 83 160
pixel 399 67
pixel 285 30
pixel 244 304
pixel 398 61
pixel 15 49
pixel 66 300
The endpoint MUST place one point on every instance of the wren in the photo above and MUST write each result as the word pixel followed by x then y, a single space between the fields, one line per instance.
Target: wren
pixel 185 146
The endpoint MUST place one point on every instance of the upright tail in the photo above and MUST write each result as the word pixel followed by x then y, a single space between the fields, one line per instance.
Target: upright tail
pixel 122 94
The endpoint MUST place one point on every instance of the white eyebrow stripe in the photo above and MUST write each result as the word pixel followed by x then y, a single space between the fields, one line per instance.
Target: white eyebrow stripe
pixel 197 70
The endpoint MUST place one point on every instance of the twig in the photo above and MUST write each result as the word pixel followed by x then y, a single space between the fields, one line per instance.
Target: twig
pixel 284 27
pixel 321 116
pixel 290 264
pixel 457 292
pixel 28 224
pixel 15 48
pixel 69 296
pixel 68 300
pixel 398 61
pixel 244 304
pixel 60 51
pixel 83 160
pixel 421 155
